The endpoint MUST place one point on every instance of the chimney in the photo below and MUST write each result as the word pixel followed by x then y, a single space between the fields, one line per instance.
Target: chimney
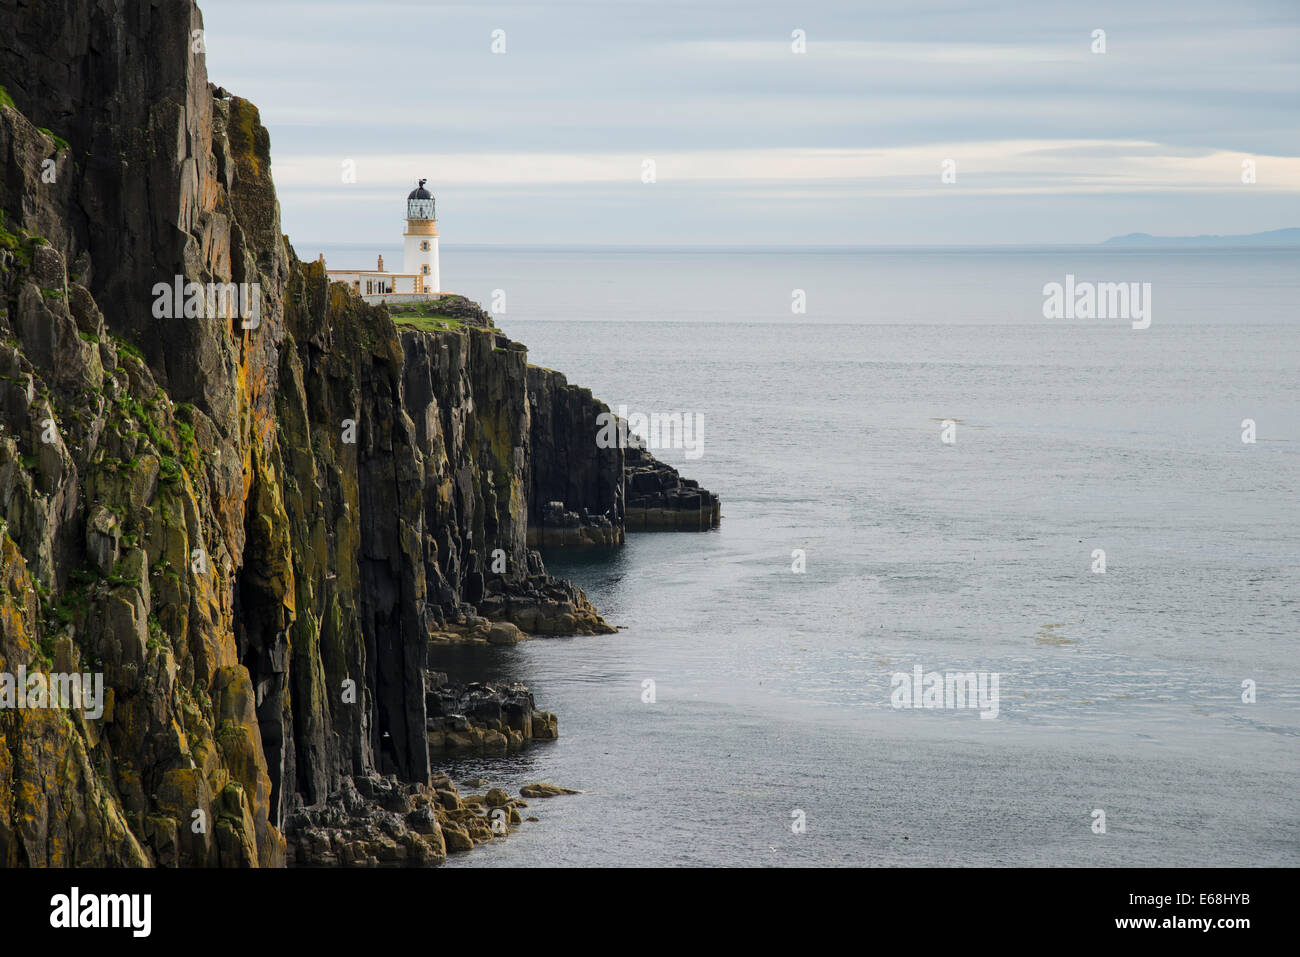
pixel 381 262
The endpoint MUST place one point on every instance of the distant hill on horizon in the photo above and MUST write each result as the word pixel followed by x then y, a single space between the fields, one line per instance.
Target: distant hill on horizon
pixel 1274 237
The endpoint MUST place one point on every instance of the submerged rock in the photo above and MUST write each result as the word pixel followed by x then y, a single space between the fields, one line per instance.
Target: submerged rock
pixel 504 633
pixel 541 790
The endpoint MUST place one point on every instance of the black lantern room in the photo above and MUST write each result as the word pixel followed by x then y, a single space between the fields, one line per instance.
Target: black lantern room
pixel 419 204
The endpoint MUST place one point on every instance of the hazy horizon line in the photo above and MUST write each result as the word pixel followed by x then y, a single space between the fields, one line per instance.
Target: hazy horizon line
pixel 1177 242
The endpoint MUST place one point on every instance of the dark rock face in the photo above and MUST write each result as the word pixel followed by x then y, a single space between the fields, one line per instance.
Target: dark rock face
pixel 169 428
pixel 152 189
pixel 659 499
pixel 352 502
pixel 576 487
pixel 582 494
pixel 474 433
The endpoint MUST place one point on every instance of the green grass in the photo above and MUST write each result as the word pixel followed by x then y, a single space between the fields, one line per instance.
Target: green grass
pixel 125 347
pixel 59 141
pixel 169 470
pixel 18 244
pixel 5 98
pixel 156 634
pixel 427 321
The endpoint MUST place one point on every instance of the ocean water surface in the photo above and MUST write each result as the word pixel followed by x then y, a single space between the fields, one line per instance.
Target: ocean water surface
pixel 1120 692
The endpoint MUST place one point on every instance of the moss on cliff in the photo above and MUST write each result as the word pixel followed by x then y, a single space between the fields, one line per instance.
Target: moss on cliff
pixel 430 322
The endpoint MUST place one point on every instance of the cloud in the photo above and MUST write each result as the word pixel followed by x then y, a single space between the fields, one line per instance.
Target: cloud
pixel 1010 166
pixel 879 51
pixel 750 140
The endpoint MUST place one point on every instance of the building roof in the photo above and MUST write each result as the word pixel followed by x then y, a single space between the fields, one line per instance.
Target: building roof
pixel 420 192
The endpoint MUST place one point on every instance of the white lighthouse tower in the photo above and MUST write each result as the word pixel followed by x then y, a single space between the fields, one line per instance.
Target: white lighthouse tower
pixel 421 240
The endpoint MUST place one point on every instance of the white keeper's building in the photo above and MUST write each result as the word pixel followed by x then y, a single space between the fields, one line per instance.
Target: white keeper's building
pixel 419 276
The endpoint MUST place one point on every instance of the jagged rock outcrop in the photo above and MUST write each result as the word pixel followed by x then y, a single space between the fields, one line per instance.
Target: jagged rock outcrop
pixel 480 718
pixel 576 486
pixel 585 492
pixel 659 499
pixel 377 821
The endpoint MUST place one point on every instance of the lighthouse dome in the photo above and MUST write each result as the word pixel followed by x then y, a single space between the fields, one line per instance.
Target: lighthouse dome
pixel 419 203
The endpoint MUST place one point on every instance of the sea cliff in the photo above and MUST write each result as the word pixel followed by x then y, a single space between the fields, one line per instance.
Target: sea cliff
pixel 258 529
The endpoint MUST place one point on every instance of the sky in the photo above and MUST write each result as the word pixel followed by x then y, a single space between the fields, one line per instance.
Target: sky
pixel 755 123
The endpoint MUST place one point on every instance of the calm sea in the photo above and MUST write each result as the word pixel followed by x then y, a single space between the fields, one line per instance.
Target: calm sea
pixel 1119 692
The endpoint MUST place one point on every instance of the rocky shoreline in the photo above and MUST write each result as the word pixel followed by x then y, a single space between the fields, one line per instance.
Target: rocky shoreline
pixel 478 718
pixel 376 821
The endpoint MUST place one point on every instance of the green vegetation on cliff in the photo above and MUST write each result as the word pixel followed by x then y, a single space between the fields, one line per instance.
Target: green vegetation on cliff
pixel 428 321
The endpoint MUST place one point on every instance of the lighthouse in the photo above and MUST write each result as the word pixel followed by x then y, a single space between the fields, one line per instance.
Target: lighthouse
pixel 419 279
pixel 421 240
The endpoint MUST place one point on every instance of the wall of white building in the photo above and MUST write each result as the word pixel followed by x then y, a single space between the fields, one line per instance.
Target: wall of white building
pixel 370 282
pixel 421 256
